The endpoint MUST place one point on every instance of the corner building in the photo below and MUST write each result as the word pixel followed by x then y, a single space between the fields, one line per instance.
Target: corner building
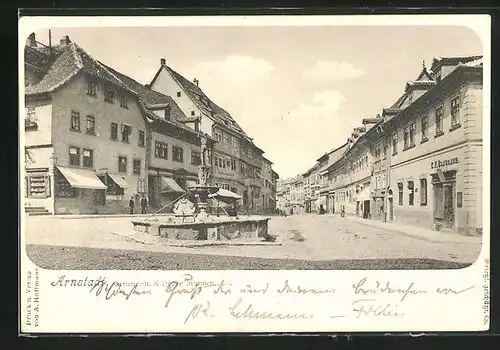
pixel 436 148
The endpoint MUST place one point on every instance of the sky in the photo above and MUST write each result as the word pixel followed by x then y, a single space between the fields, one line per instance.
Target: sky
pixel 297 91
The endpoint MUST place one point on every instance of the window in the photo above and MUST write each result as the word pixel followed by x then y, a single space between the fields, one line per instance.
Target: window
pixel 178 94
pixel 168 111
pixel 226 140
pixel 122 164
pixel 161 150
pixel 423 192
pixel 439 120
pixel 74 156
pixel 142 138
pixel 114 131
pixel 413 129
pixel 141 185
pixel 37 186
pixel 137 166
pixel 411 193
pixel 400 193
pixel 406 137
pixel 75 121
pixel 394 144
pixel 91 88
pixel 126 131
pixel 438 76
pixel 233 164
pixel 195 158
pixel 177 154
pixel 192 113
pixel 455 111
pixel 90 130
pixel 123 100
pixel 218 136
pixel 425 125
pixel 235 142
pixel 88 158
pixel 109 94
pixel 30 123
pixel 250 153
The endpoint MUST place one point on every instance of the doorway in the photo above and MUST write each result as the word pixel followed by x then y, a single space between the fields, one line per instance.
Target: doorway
pixel 444 198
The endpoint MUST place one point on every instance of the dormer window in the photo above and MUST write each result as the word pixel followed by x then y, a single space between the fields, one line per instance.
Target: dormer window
pixel 123 100
pixel 438 75
pixel 168 111
pixel 109 94
pixel 91 88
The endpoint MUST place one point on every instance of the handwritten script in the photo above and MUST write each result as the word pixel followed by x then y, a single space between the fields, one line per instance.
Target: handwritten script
pixel 278 300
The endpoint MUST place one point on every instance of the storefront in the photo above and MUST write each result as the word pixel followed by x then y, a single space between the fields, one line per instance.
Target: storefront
pixel 363 201
pixel 439 191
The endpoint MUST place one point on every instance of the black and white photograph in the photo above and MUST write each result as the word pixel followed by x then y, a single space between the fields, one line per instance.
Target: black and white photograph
pixel 343 146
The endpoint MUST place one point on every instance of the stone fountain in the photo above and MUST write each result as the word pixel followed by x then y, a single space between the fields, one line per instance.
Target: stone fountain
pixel 192 221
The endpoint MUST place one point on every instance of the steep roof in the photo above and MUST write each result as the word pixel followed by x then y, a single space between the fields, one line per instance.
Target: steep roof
pixel 71 60
pixel 152 99
pixel 204 103
pixel 437 62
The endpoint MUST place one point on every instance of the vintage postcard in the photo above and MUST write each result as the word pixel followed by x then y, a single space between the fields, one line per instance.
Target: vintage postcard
pixel 254 174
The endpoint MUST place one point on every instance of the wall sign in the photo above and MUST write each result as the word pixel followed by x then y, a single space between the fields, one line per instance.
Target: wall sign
pixel 441 163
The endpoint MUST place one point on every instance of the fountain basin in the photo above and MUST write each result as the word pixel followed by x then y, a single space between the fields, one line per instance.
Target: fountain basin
pixel 210 228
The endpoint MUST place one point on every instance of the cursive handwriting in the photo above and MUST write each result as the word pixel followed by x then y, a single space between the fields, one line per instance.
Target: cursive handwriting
pixel 447 291
pixel 370 307
pixel 251 290
pixel 410 290
pixel 299 290
pixel 116 288
pixel 238 311
pixel 195 311
pixel 173 289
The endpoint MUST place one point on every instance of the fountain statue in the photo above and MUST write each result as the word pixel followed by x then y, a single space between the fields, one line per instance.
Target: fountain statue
pixel 194 223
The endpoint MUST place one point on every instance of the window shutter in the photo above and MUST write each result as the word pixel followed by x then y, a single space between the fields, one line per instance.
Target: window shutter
pixel 26 190
pixel 47 186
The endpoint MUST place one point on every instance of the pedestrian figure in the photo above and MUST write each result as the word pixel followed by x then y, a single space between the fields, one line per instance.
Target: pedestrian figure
pixel 144 205
pixel 131 205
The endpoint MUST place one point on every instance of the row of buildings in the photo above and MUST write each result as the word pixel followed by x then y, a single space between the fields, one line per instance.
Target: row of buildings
pixel 417 162
pixel 95 137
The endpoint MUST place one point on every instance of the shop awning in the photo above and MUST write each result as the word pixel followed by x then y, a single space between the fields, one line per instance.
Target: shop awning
pixel 82 178
pixel 119 180
pixel 169 185
pixel 191 183
pixel 225 195
pixel 364 195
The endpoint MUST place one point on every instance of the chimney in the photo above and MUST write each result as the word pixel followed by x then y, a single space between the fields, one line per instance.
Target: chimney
pixel 163 61
pixel 31 40
pixel 196 81
pixel 65 41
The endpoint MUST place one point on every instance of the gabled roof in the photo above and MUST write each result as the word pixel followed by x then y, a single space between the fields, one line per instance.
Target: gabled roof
pixel 437 62
pixel 153 100
pixel 71 60
pixel 419 85
pixel 209 108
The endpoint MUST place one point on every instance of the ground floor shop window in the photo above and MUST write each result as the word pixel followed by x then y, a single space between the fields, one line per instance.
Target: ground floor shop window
pixel 411 194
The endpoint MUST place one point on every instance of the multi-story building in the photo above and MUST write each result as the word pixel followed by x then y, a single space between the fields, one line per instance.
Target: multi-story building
pixel 436 148
pixel 173 147
pixel 237 161
pixel 331 175
pixel 268 193
pixel 84 132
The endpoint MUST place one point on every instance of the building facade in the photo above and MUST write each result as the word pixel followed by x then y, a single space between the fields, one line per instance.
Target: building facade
pixel 237 161
pixel 84 130
pixel 436 153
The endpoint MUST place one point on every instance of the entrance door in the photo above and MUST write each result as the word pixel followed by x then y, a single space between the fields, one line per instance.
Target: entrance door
pixel 449 210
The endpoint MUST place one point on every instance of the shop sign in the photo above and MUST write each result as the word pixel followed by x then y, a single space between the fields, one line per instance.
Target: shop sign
pixel 441 163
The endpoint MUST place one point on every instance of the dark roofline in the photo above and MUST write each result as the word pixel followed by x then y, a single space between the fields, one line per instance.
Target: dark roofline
pixel 438 62
pixel 448 79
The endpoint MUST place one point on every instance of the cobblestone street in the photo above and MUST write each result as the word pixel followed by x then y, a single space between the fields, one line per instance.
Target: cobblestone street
pixel 306 238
